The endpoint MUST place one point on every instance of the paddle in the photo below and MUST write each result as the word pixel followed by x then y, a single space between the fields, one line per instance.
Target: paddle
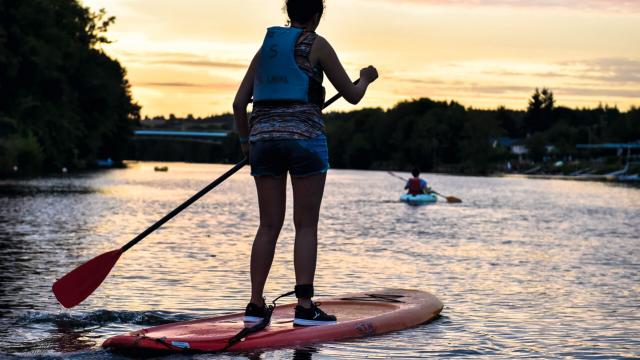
pixel 450 199
pixel 77 285
pixel 74 287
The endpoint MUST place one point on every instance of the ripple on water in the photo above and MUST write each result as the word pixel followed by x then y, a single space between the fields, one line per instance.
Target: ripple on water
pixel 525 268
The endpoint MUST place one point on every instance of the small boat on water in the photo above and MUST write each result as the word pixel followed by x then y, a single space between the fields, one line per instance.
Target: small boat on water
pixel 420 199
pixel 161 168
pixel 105 163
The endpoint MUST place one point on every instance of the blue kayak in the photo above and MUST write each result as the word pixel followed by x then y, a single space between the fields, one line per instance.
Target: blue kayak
pixel 420 199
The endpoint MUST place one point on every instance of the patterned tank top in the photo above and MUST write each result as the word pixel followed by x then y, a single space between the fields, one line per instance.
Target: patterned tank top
pixel 291 121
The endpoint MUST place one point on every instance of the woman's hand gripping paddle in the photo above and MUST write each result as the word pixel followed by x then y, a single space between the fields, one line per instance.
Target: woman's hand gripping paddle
pixel 450 199
pixel 74 287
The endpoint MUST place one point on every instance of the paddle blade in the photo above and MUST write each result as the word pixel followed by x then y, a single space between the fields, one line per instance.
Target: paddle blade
pixel 73 288
pixel 453 200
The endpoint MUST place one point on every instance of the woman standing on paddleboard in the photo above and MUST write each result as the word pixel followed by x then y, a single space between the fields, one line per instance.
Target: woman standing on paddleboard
pixel 286 134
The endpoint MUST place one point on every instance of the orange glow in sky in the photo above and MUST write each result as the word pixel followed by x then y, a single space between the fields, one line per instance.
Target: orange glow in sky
pixel 188 57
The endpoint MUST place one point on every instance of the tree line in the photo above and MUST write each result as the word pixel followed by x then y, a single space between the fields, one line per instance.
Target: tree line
pixel 63 101
pixel 438 136
pixel 445 136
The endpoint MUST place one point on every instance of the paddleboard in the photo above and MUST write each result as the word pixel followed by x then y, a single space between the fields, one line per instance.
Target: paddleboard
pixel 359 315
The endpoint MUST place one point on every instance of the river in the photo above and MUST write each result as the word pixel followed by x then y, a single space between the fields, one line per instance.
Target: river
pixel 525 268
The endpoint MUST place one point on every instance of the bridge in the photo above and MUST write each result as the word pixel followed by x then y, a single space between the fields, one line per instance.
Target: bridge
pixel 190 136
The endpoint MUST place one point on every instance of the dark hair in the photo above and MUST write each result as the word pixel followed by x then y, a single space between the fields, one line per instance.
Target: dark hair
pixel 302 11
pixel 415 172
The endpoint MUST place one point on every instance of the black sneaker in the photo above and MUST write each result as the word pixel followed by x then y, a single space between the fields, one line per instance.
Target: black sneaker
pixel 255 313
pixel 312 316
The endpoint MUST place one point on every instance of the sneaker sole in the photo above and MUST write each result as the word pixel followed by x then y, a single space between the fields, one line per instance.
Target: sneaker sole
pixel 304 322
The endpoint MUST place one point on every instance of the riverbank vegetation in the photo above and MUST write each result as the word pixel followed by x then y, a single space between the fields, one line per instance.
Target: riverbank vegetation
pixel 447 137
pixel 64 103
pixel 438 136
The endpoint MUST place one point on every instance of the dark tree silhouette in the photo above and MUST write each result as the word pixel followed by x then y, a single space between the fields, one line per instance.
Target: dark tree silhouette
pixel 66 102
pixel 540 115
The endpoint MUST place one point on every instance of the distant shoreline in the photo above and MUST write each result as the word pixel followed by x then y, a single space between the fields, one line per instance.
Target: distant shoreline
pixel 629 179
pixel 621 179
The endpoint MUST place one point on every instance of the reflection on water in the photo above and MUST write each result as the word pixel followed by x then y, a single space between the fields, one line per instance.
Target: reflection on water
pixel 530 268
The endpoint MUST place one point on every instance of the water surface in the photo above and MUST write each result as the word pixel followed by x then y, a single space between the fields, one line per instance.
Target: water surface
pixel 525 268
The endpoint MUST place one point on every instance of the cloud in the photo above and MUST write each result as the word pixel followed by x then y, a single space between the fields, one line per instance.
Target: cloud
pixel 200 63
pixel 612 70
pixel 512 73
pixel 568 90
pixel 180 59
pixel 418 81
pixel 485 82
pixel 496 89
pixel 188 85
pixel 606 5
pixel 601 92
pixel 620 71
pixel 171 84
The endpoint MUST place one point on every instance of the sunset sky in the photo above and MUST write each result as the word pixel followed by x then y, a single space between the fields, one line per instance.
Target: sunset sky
pixel 188 57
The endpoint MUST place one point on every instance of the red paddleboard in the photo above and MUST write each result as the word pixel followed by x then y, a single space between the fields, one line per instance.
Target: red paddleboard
pixel 359 315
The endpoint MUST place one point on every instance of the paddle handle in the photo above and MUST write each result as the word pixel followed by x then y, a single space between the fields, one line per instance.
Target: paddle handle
pixel 184 205
pixel 337 96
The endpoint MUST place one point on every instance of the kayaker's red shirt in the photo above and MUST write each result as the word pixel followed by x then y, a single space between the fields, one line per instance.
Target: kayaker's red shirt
pixel 416 186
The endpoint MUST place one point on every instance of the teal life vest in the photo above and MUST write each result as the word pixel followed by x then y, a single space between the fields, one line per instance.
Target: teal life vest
pixel 278 76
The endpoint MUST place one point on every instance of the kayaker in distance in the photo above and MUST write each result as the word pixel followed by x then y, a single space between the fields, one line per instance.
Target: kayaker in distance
pixel 416 185
pixel 286 134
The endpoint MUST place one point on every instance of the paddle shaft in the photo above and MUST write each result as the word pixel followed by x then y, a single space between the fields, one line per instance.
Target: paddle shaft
pixel 184 205
pixel 396 176
pixel 202 192
pixel 337 96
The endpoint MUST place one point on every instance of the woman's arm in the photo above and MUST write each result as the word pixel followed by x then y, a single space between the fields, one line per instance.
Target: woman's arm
pixel 241 101
pixel 332 66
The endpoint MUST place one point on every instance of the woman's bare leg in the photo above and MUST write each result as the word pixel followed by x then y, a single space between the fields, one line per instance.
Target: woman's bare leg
pixel 307 198
pixel 272 198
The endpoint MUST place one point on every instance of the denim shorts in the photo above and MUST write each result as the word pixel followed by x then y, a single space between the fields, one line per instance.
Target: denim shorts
pixel 299 157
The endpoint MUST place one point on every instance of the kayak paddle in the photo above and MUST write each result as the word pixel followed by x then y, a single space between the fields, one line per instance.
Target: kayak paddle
pixel 450 199
pixel 396 176
pixel 74 287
